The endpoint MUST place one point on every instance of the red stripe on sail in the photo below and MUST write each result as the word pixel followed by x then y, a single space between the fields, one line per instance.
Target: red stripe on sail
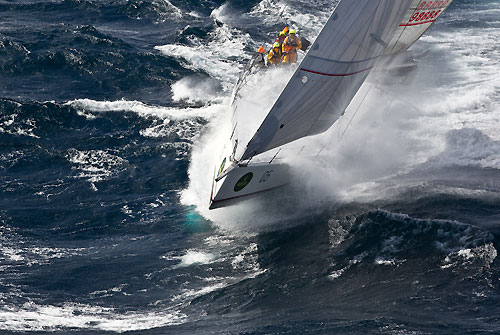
pixel 416 23
pixel 336 74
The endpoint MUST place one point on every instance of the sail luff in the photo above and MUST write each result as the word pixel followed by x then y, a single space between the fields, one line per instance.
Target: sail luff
pixel 338 62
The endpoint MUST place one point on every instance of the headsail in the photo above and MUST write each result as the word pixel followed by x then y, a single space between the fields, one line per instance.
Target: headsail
pixel 355 36
pixel 418 19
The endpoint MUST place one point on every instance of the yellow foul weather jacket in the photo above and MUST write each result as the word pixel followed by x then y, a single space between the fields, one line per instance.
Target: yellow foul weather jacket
pixel 290 46
pixel 274 56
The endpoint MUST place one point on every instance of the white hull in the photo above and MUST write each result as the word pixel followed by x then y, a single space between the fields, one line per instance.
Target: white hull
pixel 244 181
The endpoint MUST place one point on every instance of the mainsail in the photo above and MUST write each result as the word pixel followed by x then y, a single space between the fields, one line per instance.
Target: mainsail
pixel 356 35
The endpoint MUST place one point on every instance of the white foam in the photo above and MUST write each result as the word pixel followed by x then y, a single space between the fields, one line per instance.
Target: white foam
pixel 33 317
pixel 485 254
pixel 164 10
pixel 198 58
pixel 193 257
pixel 17 251
pixel 375 143
pixel 213 55
pixel 194 89
pixel 16 126
pixel 470 147
pixel 308 22
pixel 336 274
pixel 247 259
pixel 142 109
pixel 9 121
pixel 96 165
pixel 109 292
pixel 218 241
pixel 12 254
pixel 159 130
pixel 176 12
pixel 200 292
pixel 383 261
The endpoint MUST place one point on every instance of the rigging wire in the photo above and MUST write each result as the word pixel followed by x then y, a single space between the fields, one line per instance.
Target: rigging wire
pixel 355 113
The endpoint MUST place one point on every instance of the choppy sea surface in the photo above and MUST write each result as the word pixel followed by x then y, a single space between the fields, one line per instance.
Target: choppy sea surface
pixel 109 117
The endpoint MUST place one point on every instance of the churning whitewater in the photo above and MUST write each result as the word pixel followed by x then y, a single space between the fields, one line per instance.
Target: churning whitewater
pixel 112 118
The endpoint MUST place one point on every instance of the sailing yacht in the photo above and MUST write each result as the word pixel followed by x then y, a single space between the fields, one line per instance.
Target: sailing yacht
pixel 360 35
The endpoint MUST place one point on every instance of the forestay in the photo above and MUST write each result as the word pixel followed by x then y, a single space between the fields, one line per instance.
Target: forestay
pixel 355 36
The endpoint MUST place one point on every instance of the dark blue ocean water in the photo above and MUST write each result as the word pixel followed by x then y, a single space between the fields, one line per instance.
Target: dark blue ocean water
pixel 102 104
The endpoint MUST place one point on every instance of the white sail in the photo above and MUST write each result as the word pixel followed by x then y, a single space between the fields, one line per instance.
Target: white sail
pixel 418 19
pixel 355 36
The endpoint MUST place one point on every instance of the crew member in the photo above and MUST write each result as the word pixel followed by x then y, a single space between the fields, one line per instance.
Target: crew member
pixel 289 48
pixel 259 60
pixel 282 35
pixel 281 38
pixel 274 56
